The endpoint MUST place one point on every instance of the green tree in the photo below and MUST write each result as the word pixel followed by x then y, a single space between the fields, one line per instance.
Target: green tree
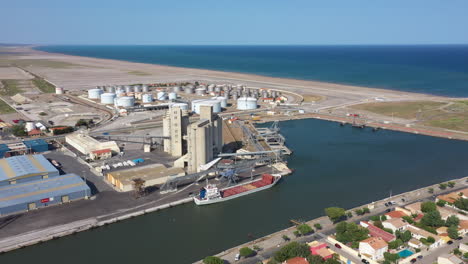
pixel 395 244
pixel 465 255
pixel 430 239
pixel 318 226
pixel 388 230
pixel 375 218
pixel 451 184
pixel 18 131
pixel 441 203
pixel 432 219
pixel 359 211
pixel 443 186
pixel 305 229
pixel 332 261
pixel 428 207
pixel 452 221
pixel 461 203
pixel 291 250
pixel 297 233
pixel 286 238
pixel 349 214
pixel 430 190
pixel 246 252
pixel 383 217
pixel 378 224
pixel 403 236
pixel 315 259
pixel 212 260
pixel 366 210
pixel 335 213
pixel 350 232
pixel 452 231
pixel 391 257
pixel 408 219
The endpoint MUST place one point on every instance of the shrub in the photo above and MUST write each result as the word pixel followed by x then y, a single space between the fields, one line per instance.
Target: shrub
pixel 366 210
pixel 441 203
pixel 212 260
pixel 297 233
pixel 318 226
pixel 451 184
pixel 375 218
pixel 286 238
pixel 246 252
pixel 443 186
pixel 305 229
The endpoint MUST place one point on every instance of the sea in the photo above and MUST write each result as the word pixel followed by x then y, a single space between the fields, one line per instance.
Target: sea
pixel 431 69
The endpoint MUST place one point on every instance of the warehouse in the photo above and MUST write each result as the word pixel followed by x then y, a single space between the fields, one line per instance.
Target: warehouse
pixel 155 174
pixel 20 169
pixel 43 192
pixel 86 144
pixel 37 145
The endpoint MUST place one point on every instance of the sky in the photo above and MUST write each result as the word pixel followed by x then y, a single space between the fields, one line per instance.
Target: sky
pixel 234 22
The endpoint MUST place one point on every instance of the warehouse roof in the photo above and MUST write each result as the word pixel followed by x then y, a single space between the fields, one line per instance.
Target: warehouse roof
pixel 146 173
pixel 19 166
pixel 35 142
pixel 41 189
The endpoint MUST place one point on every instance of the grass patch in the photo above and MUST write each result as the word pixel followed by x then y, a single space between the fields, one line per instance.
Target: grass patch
pixel 43 85
pixel 450 121
pixel 10 87
pixel 12 61
pixel 139 73
pixel 5 108
pixel 311 98
pixel 407 110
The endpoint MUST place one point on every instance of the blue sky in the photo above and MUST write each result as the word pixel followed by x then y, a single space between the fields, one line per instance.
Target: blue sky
pixel 234 22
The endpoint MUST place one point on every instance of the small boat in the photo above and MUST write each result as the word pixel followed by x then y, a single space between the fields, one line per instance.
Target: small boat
pixel 211 194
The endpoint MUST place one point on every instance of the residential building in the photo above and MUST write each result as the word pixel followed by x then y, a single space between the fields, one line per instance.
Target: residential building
pixel 447 211
pixel 414 208
pixel 463 247
pixel 373 248
pixel 296 260
pixel 449 259
pixel 377 232
pixel 320 249
pixel 463 227
pixel 395 214
pixel 453 196
pixel 419 233
pixel 395 224
pixel 414 243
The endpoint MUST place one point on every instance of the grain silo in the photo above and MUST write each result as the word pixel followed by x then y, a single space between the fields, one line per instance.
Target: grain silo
pixel 137 89
pixel 176 89
pixel 222 100
pixel 94 93
pixel 188 90
pixel 200 91
pixel 147 98
pixel 172 96
pixel 145 88
pixel 128 89
pixel 246 103
pixel 107 98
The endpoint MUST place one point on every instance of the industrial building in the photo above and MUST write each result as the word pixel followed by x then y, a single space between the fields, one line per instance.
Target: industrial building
pixel 25 147
pixel 204 139
pixel 175 124
pixel 31 181
pixel 88 145
pixel 155 174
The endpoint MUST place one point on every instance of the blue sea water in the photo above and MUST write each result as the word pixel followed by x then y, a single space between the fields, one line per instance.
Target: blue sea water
pixel 437 69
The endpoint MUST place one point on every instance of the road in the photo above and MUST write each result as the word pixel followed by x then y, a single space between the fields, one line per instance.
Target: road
pixel 446 248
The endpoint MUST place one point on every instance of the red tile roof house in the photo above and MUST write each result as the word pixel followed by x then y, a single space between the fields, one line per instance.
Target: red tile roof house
pixel 377 232
pixel 395 214
pixel 296 260
pixel 320 249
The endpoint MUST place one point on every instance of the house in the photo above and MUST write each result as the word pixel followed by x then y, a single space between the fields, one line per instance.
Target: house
pixel 320 249
pixel 395 224
pixel 449 259
pixel 442 233
pixel 35 133
pixel 100 154
pixel 418 217
pixel 463 227
pixel 377 232
pixel 463 247
pixel 373 248
pixel 414 243
pixel 296 260
pixel 446 211
pixel 419 233
pixel 453 196
pixel 395 214
pixel 414 208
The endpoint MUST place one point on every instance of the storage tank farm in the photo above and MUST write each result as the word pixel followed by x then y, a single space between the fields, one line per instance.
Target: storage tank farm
pixel 200 91
pixel 145 88
pixel 125 101
pixel 94 93
pixel 188 90
pixel 222 100
pixel 147 98
pixel 128 89
pixel 108 98
pixel 137 88
pixel 161 96
pixel 172 96
pixel 177 89
pixel 215 104
pixel 246 103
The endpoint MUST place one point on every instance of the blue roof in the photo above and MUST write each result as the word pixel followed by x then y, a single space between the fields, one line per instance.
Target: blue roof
pixel 19 166
pixel 41 189
pixel 35 142
pixel 4 147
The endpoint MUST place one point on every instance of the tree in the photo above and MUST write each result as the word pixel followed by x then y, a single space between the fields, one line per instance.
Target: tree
pixel 430 190
pixel 318 226
pixel 375 218
pixel 139 187
pixel 461 203
pixel 465 255
pixel 315 259
pixel 349 214
pixel 297 233
pixel 451 184
pixel 403 236
pixel 441 203
pixel 246 252
pixel 452 231
pixel 430 239
pixel 332 261
pixel 432 219
pixel 213 260
pixel 443 186
pixel 391 257
pixel 335 213
pixel 395 244
pixel 18 131
pixel 383 217
pixel 428 207
pixel 366 210
pixel 350 232
pixel 305 229
pixel 378 224
pixel 408 219
pixel 388 230
pixel 286 238
pixel 359 211
pixel 291 250
pixel 452 221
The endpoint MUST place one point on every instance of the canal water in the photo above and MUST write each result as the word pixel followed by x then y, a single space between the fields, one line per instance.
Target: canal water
pixel 334 166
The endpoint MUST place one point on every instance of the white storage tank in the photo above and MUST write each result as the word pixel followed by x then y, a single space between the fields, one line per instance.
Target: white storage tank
pixel 222 100
pixel 172 96
pixel 147 98
pixel 216 104
pixel 145 88
pixel 182 106
pixel 161 96
pixel 188 90
pixel 128 89
pixel 94 93
pixel 107 98
pixel 120 92
pixel 137 89
pixel 176 89
pixel 200 91
pixel 246 103
pixel 111 89
pixel 58 90
pixel 126 101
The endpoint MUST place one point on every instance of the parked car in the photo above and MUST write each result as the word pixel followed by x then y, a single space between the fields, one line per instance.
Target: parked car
pixel 237 257
pixel 386 204
pixel 450 242
pixel 337 245
pixel 459 238
pixel 413 260
pixel 420 256
pixel 392 202
pixel 388 210
pixel 365 261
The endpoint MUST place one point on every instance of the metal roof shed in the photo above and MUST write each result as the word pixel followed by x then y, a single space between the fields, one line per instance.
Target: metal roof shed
pixel 37 145
pixel 24 167
pixel 3 149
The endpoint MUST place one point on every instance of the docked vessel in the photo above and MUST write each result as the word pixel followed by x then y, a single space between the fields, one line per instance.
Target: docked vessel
pixel 211 194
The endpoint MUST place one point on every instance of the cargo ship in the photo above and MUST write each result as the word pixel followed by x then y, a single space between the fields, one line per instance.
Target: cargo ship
pixel 211 194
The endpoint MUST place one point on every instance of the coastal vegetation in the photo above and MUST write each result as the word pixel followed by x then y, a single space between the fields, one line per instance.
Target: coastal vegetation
pixel 212 260
pixel 308 98
pixel 43 85
pixel 246 252
pixel 14 61
pixel 138 73
pixel 350 232
pixel 335 213
pixel 9 87
pixel 305 229
pixel 5 108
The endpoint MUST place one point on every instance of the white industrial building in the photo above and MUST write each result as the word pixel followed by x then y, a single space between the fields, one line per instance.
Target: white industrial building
pixel 87 145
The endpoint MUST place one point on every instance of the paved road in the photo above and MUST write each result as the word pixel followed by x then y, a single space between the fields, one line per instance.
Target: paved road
pixel 446 248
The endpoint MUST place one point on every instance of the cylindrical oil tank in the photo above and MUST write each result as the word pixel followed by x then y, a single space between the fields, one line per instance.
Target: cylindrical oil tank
pixel 111 89
pixel 94 93
pixel 161 96
pixel 119 92
pixel 246 103
pixel 176 89
pixel 235 95
pixel 126 101
pixel 128 89
pixel 217 89
pixel 147 98
pixel 58 90
pixel 200 91
pixel 273 94
pixel 216 104
pixel 211 87
pixel 145 88
pixel 182 106
pixel 172 96
pixel 222 100
pixel 107 98
pixel 137 89
pixel 188 90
